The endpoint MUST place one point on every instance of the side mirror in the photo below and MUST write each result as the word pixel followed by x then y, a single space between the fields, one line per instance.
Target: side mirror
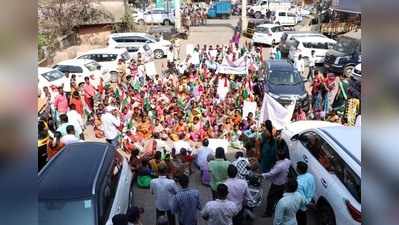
pixel 295 137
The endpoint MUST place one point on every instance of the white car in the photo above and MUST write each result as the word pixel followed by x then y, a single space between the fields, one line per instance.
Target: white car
pixel 285 18
pixel 259 9
pixel 333 155
pixel 51 78
pixel 305 45
pixel 268 34
pixel 144 50
pixel 160 47
pixel 107 57
pixel 84 68
pixel 155 16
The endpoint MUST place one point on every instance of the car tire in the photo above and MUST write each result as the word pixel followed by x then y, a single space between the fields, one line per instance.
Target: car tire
pixel 348 71
pixel 258 15
pixel 141 22
pixel 325 214
pixel 166 22
pixel 158 54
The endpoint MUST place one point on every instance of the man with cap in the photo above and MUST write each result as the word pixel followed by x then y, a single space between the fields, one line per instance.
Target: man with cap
pixel 111 124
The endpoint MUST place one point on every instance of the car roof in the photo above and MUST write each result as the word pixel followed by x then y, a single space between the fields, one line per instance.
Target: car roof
pixel 106 51
pixel 128 34
pixel 314 39
pixel 75 62
pixel 41 70
pixel 299 126
pixel 268 25
pixel 73 173
pixel 281 64
pixel 348 138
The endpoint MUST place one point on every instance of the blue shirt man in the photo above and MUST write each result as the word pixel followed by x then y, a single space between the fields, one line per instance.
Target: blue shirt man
pixel 186 203
pixel 307 188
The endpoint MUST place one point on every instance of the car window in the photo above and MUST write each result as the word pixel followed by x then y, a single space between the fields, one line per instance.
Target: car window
pixel 312 142
pixel 276 29
pixel 263 30
pixel 69 69
pixel 283 77
pixel 132 49
pixel 140 39
pixel 66 212
pixel 104 57
pixel 85 57
pixel 111 185
pixel 52 75
pixel 281 13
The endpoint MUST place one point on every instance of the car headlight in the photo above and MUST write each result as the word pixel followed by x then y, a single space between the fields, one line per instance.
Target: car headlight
pixel 273 95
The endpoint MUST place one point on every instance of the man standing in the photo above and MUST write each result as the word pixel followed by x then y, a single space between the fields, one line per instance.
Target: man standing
pixel 202 155
pixel 63 124
pixel 220 211
pixel 288 205
pixel 60 104
pixel 300 65
pixel 306 187
pixel 186 203
pixel 164 189
pixel 238 192
pixel 218 170
pixel 111 125
pixel 70 137
pixel 312 64
pixel 278 176
pixel 76 119
pixel 89 92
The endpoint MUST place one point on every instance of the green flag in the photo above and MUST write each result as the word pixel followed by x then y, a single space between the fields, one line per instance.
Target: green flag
pixel 117 93
pixel 125 102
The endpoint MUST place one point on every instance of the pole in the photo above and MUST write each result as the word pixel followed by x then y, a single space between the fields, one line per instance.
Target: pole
pixel 244 20
pixel 178 16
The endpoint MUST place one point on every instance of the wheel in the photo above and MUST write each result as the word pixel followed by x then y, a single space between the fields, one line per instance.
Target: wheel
pixel 326 214
pixel 158 53
pixel 258 15
pixel 166 22
pixel 348 71
pixel 141 22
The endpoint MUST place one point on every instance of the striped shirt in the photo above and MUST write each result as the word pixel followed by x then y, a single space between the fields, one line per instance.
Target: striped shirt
pixel 186 205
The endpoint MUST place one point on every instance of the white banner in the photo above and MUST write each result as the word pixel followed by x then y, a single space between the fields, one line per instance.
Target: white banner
pixel 247 108
pixel 274 111
pixel 215 143
pixel 239 66
pixel 150 69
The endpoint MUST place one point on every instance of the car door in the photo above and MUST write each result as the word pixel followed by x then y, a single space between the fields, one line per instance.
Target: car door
pixel 157 16
pixel 148 17
pixel 277 33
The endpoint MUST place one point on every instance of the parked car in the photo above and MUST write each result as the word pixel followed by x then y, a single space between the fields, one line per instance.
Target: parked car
pixel 287 40
pixel 126 40
pixel 333 155
pixel 268 34
pixel 284 83
pixel 220 9
pixel 51 78
pixel 84 68
pixel 85 183
pixel 156 16
pixel 259 9
pixel 285 18
pixel 107 57
pixel 345 55
pixel 305 45
pixel 145 50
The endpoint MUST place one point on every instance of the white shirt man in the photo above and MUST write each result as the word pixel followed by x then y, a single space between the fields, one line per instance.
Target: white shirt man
pixel 110 123
pixel 178 145
pixel 202 156
pixel 220 212
pixel 238 188
pixel 69 139
pixel 76 120
pixel 300 65
pixel 163 188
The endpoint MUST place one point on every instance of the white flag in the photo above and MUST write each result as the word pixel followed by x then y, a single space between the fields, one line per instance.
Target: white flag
pixel 274 111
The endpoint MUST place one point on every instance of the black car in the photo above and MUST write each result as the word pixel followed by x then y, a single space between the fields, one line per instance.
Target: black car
pixel 85 183
pixel 284 83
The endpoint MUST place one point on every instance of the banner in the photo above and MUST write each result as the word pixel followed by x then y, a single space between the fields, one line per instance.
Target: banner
pixel 239 66
pixel 150 69
pixel 189 49
pixel 215 143
pixel 274 111
pixel 247 108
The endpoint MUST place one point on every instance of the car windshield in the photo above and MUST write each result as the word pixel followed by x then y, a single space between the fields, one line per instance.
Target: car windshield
pixel 283 77
pixel 91 66
pixel 264 30
pixel 345 45
pixel 66 212
pixel 152 38
pixel 52 75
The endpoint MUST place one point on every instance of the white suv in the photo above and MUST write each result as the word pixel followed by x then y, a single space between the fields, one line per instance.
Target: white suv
pixel 268 34
pixel 126 40
pixel 84 68
pixel 155 16
pixel 333 155
pixel 107 57
pixel 285 18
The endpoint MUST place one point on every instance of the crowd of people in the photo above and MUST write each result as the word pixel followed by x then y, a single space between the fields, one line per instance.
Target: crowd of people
pixel 159 121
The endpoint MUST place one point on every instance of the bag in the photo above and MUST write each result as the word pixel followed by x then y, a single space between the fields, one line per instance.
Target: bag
pixel 144 182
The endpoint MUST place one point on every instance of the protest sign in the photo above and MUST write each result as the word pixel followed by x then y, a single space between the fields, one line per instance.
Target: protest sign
pixel 150 69
pixel 247 108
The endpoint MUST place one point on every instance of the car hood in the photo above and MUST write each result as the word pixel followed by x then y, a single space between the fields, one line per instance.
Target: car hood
pixel 335 53
pixel 297 89
pixel 297 127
